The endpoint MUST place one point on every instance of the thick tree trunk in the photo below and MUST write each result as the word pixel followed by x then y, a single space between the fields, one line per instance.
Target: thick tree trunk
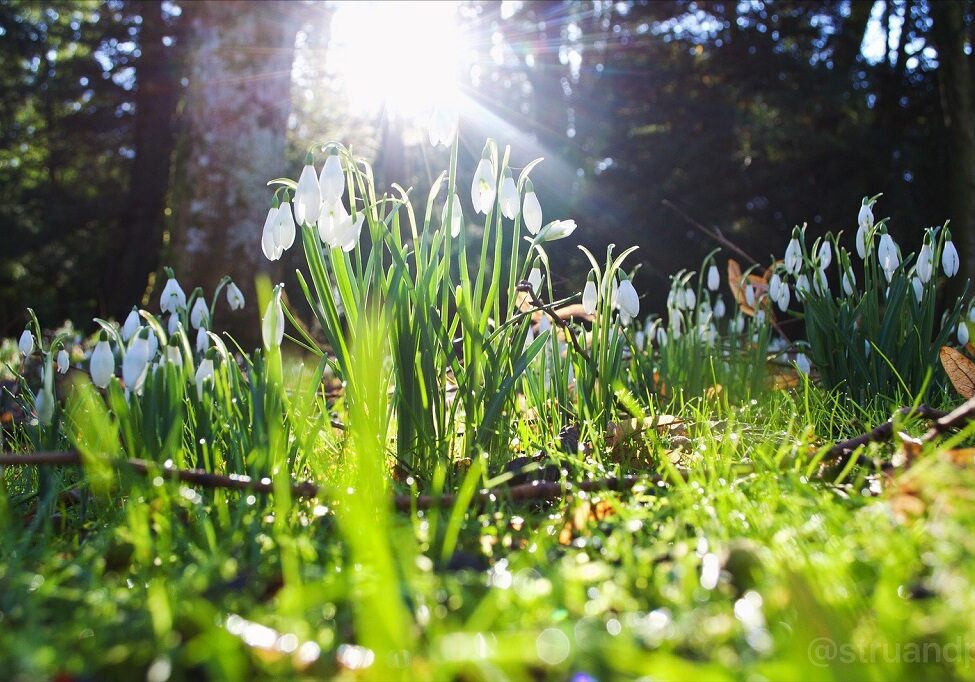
pixel 138 236
pixel 235 126
pixel 958 106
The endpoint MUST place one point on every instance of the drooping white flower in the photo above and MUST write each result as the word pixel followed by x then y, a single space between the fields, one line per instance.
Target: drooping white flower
pixel 136 362
pixel 285 229
pixel 925 263
pixel 861 242
pixel 532 212
pixel 848 282
pixel 963 333
pixel 887 255
pixel 774 283
pixel 535 280
pixel 269 236
pixel 456 216
pixel 793 256
pixel 484 187
pixel 825 255
pixel 820 283
pixel 918 288
pixel 784 297
pixel 102 363
pixel 508 198
pixel 802 286
pixel 202 340
pixel 949 259
pixel 26 343
pixel 131 324
pixel 173 324
pixel 759 317
pixel 308 196
pixel 971 314
pixel 558 229
pixel 204 373
pixel 173 352
pixel 235 297
pixel 590 297
pixel 719 308
pixel 738 323
pixel 173 298
pixel 442 125
pixel 627 301
pixel 640 339
pixel 337 228
pixel 200 314
pixel 661 337
pixel 332 179
pixel 865 217
pixel 750 295
pixel 64 361
pixel 272 325
pixel 690 298
pixel 802 363
pixel 714 279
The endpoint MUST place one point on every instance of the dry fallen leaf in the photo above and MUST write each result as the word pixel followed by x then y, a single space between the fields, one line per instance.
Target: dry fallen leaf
pixel 960 370
pixel 759 284
pixel 664 423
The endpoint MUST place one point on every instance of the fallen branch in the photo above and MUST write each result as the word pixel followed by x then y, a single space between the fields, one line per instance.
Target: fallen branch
pixel 527 492
pixel 884 432
pixel 713 232
pixel 957 418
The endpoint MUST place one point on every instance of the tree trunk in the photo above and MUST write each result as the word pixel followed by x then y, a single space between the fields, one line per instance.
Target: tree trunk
pixel 233 141
pixel 950 35
pixel 138 236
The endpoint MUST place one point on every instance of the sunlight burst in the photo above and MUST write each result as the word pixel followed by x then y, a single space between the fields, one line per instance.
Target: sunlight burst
pixel 399 57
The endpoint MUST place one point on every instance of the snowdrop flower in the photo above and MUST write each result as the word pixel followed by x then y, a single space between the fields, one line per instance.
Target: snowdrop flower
pixel 963 333
pixel 532 211
pixel 200 314
pixel 269 236
pixel 719 308
pixel 714 279
pixel 286 228
pixel 864 223
pixel 627 301
pixel 202 340
pixel 173 324
pixel 204 373
pixel 925 263
pixel 802 286
pixel 640 339
pixel 865 216
pixel 484 186
pixel 759 317
pixel 235 297
pixel 971 314
pixel 949 258
pixel 690 298
pixel 508 197
pixel 535 280
pixel 774 284
pixel 887 254
pixel 442 125
pixel 918 288
pixel 26 343
pixel 750 295
pixel 590 296
pixel 738 324
pixel 131 324
pixel 102 363
pixel 136 362
pixel 308 195
pixel 661 337
pixel 173 298
pixel 332 179
pixel 272 325
pixel 558 229
pixel 802 363
pixel 337 228
pixel 173 353
pixel 456 216
pixel 64 362
pixel 848 281
pixel 820 283
pixel 825 255
pixel 793 256
pixel 784 297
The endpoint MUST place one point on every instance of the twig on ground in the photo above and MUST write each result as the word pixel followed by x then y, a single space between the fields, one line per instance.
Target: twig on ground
pixel 527 492
pixel 884 432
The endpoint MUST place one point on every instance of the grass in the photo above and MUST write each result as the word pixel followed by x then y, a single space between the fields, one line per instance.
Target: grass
pixel 742 569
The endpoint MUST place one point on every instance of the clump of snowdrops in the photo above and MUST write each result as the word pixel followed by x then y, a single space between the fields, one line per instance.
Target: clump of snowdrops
pixel 874 331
